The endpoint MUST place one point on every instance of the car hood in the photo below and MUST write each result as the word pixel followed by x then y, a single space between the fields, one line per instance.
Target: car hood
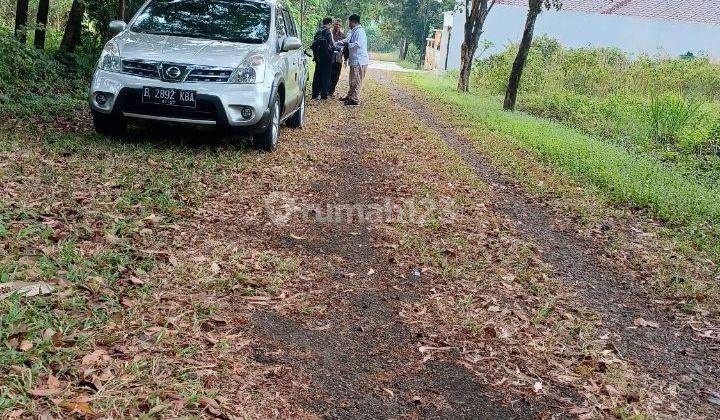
pixel 178 49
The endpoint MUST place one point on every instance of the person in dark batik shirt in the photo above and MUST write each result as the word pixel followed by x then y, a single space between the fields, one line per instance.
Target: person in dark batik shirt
pixel 323 52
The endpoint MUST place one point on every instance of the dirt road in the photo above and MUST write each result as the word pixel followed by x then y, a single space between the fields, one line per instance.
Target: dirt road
pixel 389 343
pixel 375 266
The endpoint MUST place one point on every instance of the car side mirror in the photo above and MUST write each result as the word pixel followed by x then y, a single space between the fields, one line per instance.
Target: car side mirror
pixel 291 43
pixel 116 26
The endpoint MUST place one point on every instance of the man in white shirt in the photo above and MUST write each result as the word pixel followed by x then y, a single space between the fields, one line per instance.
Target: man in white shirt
pixel 358 62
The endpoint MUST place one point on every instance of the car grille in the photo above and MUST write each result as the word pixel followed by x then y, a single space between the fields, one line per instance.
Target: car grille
pixel 141 68
pixel 151 69
pixel 208 75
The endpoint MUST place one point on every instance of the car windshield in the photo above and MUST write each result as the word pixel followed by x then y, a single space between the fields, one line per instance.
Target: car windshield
pixel 225 20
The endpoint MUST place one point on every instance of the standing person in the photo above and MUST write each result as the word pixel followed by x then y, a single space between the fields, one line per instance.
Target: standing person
pixel 358 61
pixel 323 53
pixel 337 61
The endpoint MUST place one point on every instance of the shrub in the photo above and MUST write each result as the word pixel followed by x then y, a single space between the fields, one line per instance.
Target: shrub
pixel 32 82
pixel 710 144
pixel 377 39
pixel 413 54
pixel 668 115
pixel 638 102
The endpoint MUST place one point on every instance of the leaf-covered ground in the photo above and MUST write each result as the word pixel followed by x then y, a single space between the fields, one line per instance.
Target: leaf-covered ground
pixel 364 270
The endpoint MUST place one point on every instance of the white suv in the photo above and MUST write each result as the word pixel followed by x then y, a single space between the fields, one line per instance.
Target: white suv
pixel 223 64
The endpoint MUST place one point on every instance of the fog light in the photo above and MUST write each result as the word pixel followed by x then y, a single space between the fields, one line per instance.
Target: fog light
pixel 100 98
pixel 247 113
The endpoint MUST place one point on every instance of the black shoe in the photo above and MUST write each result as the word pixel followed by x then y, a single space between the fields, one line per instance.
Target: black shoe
pixel 323 98
pixel 351 103
pixel 344 99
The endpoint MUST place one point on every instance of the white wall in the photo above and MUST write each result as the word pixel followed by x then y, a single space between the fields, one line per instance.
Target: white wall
pixel 573 29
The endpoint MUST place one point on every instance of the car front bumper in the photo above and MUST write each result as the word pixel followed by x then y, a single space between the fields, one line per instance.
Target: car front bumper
pixel 218 104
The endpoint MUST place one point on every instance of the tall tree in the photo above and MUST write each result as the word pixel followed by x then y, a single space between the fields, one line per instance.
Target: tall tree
pixel 41 20
pixel 476 11
pixel 21 15
pixel 73 27
pixel 121 10
pixel 407 22
pixel 535 7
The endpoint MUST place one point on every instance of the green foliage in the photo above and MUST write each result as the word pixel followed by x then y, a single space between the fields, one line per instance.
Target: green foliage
pixel 32 82
pixel 663 108
pixel 599 72
pixel 668 115
pixel 56 14
pixel 625 176
pixel 413 55
pixel 412 20
pixel 102 12
pixel 378 40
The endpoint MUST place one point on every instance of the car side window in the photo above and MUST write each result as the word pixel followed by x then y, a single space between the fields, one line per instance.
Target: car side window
pixel 289 23
pixel 280 24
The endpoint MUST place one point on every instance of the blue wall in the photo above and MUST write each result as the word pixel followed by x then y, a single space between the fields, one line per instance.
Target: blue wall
pixel 634 35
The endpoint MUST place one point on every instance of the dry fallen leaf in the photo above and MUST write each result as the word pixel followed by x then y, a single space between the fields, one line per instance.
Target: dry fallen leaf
pixel 153 219
pixel 53 382
pixel 537 386
pixel 215 268
pixel 25 345
pixel 48 334
pixel 81 407
pixel 44 392
pixel 94 357
pixel 640 322
pixel 24 289
pixel 489 332
pixel 415 399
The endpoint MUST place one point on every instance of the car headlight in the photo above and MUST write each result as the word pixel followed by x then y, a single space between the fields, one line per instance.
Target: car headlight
pixel 252 70
pixel 110 58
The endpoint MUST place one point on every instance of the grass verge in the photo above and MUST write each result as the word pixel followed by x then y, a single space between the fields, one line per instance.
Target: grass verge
pixel 637 181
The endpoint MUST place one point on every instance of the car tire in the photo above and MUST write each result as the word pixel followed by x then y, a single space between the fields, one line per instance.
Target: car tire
pixel 109 125
pixel 298 118
pixel 267 140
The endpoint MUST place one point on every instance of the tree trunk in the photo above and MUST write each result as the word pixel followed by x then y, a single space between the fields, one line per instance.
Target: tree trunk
pixel 121 10
pixel 41 20
pixel 403 49
pixel 21 14
pixel 466 53
pixel 475 14
pixel 535 7
pixel 73 27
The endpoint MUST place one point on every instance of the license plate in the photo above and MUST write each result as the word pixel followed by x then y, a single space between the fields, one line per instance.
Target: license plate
pixel 168 96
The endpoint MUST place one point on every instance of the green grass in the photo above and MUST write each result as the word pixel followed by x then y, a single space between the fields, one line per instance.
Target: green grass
pixel 33 83
pixel 385 56
pixel 623 176
pixel 394 57
pixel 90 213
pixel 665 108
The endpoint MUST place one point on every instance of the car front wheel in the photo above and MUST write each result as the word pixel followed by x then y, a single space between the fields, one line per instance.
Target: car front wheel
pixel 267 140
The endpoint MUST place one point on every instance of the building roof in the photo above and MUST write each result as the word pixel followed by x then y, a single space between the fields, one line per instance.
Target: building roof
pixel 699 11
